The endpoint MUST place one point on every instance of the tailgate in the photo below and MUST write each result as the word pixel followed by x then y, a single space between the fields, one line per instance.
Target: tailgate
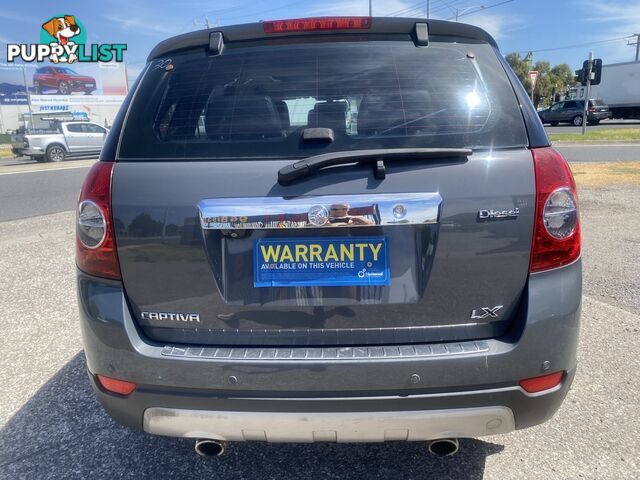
pixel 448 272
pixel 17 140
pixel 214 251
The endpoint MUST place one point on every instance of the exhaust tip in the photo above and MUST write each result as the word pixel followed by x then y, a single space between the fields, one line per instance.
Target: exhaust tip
pixel 444 447
pixel 210 448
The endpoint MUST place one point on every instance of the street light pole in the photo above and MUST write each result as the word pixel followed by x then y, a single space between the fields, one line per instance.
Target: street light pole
pixel 429 12
pixel 371 8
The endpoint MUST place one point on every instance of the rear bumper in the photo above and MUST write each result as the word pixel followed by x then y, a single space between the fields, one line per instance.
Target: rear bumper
pixel 407 395
pixel 27 151
pixel 78 85
pixel 412 425
pixel 598 116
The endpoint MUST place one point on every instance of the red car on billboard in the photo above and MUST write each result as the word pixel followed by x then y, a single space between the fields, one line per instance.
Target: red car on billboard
pixel 63 80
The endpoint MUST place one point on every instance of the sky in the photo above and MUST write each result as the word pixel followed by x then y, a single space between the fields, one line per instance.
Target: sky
pixel 543 26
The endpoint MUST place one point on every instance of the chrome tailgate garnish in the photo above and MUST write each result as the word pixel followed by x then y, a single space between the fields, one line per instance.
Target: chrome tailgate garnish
pixel 328 211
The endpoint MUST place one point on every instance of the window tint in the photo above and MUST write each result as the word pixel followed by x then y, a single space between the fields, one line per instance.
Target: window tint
pixel 75 128
pixel 91 128
pixel 255 101
pixel 570 105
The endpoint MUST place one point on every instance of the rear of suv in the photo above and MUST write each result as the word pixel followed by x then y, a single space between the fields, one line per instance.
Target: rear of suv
pixel 332 229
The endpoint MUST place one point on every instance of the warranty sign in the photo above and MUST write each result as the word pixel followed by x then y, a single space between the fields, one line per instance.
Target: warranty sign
pixel 345 261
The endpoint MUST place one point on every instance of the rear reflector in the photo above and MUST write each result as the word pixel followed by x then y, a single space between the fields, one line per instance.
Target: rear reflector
pixel 94 213
pixel 113 385
pixel 539 384
pixel 556 234
pixel 320 23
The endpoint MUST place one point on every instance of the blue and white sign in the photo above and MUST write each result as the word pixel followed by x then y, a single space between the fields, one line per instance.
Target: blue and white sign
pixel 322 262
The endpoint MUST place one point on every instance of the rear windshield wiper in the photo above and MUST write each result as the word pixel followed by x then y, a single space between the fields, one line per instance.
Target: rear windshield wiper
pixel 305 167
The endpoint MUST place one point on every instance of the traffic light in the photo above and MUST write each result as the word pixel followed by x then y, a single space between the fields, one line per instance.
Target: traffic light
pixel 596 71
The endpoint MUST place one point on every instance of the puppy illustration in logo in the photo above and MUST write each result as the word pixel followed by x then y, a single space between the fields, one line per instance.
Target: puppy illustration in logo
pixel 62 29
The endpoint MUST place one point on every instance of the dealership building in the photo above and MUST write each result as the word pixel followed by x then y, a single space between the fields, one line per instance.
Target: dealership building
pixel 95 109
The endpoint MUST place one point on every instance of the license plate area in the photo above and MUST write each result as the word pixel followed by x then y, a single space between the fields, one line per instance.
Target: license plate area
pixel 409 255
pixel 321 262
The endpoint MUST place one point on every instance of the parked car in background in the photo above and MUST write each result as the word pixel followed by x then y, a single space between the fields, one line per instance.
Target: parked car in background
pixel 63 80
pixel 413 276
pixel 572 111
pixel 64 139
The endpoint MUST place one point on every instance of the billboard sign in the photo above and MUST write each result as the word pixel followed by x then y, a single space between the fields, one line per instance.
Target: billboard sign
pixel 86 84
pixel 64 67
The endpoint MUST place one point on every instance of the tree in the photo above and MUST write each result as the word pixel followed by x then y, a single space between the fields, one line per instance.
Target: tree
pixel 520 67
pixel 562 78
pixel 551 81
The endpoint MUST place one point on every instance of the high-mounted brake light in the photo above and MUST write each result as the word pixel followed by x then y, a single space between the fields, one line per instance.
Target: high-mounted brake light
pixel 95 239
pixel 319 23
pixel 556 232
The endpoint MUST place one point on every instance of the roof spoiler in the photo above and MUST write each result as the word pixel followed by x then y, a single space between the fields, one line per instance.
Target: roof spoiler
pixel 420 31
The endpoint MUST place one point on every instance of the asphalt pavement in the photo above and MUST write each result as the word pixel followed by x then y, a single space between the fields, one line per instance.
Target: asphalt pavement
pixel 39 189
pixel 621 152
pixel 52 427
pixel 603 125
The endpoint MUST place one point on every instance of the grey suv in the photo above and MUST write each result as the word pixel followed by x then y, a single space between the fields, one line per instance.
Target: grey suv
pixel 572 111
pixel 330 229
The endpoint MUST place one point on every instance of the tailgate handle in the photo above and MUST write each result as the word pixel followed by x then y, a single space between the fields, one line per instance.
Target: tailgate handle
pixel 327 211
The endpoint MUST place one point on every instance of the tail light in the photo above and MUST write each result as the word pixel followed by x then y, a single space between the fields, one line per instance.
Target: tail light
pixel 319 23
pixel 556 233
pixel 95 239
pixel 592 109
pixel 25 142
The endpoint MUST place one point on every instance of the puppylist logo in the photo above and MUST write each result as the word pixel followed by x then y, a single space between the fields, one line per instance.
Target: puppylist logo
pixel 63 38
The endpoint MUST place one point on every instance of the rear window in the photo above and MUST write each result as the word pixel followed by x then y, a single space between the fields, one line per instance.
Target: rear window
pixel 254 101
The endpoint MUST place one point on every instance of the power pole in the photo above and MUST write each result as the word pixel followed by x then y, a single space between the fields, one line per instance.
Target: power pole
pixel 26 90
pixel 585 112
pixel 371 8
pixel 637 44
pixel 206 22
pixel 428 8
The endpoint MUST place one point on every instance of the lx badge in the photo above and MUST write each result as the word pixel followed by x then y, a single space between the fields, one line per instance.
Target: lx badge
pixel 485 312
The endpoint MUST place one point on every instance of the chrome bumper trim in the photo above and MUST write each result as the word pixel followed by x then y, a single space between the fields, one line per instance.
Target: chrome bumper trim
pixel 329 427
pixel 324 353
